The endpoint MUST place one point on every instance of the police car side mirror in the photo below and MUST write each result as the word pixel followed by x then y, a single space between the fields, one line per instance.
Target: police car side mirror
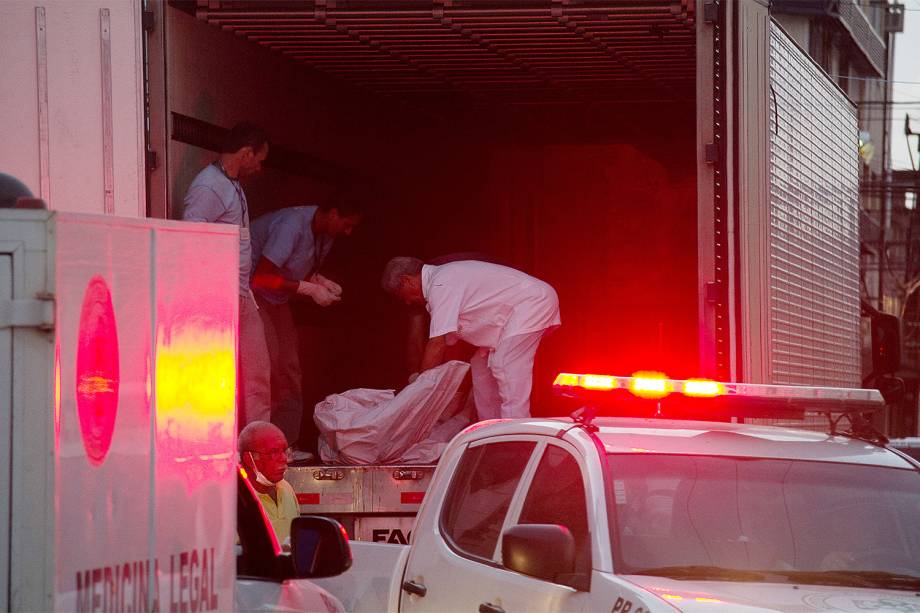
pixel 319 547
pixel 543 551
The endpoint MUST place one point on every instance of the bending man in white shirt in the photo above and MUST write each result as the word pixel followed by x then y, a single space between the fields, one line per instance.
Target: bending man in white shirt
pixel 500 310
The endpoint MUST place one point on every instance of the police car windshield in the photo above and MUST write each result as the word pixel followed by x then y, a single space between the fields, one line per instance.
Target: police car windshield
pixel 797 521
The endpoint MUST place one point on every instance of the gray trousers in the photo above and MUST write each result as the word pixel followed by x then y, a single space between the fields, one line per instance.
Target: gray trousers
pixel 283 343
pixel 254 366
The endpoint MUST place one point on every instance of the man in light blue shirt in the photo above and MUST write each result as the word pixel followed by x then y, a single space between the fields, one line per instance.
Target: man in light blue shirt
pixel 216 196
pixel 288 249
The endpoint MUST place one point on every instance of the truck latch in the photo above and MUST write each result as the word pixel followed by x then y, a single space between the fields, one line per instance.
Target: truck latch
pixel 408 475
pixel 28 313
pixel 328 475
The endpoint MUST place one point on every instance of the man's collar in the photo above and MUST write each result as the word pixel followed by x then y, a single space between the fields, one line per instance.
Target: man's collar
pixel 427 271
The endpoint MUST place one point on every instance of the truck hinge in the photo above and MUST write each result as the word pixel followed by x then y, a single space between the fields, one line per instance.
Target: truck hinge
pixel 151 161
pixel 714 293
pixel 710 12
pixel 37 312
pixel 148 21
pixel 712 153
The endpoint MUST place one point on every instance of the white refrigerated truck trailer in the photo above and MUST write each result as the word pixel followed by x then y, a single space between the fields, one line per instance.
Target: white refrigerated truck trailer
pixel 681 172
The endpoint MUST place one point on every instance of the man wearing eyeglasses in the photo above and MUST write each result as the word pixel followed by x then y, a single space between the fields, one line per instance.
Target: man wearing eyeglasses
pixel 264 453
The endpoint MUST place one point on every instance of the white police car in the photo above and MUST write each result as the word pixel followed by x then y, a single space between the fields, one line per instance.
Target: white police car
pixel 657 512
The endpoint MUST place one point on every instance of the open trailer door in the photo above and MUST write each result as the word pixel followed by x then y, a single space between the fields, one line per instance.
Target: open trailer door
pixel 778 206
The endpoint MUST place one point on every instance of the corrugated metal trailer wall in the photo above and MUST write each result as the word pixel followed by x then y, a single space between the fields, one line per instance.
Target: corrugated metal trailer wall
pixel 783 298
pixel 814 224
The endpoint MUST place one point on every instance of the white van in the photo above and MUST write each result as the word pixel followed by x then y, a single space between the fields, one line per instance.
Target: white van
pixel 121 490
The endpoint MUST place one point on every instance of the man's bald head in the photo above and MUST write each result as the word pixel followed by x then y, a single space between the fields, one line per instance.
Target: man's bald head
pixel 257 433
pixel 263 452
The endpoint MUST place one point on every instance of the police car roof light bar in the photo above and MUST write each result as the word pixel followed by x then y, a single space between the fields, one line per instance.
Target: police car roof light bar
pixel 741 399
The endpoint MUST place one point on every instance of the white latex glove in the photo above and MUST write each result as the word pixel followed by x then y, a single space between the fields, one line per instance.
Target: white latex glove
pixel 319 294
pixel 413 377
pixel 332 286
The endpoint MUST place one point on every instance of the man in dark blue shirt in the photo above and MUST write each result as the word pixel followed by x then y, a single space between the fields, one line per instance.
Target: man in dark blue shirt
pixel 288 249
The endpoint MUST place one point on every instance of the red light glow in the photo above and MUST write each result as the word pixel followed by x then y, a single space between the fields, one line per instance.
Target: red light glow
pixel 481 424
pixel 195 372
pixel 588 382
pixel 703 388
pixel 686 596
pixel 566 379
pixel 650 385
pixel 598 382
pixel 194 384
pixel 57 391
pixel 97 375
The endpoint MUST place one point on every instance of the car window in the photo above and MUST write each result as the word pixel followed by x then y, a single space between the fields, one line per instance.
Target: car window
pixel 256 552
pixel 480 494
pixel 557 496
pixel 761 514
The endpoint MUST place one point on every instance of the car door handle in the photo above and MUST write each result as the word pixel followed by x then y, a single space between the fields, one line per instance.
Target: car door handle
pixel 488 607
pixel 415 588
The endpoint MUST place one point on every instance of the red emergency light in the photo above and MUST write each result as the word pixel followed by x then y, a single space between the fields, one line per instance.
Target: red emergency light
pixel 650 385
pixel 702 388
pixel 597 382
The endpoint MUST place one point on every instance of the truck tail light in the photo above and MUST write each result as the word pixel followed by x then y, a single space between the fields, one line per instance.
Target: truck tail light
pixel 308 498
pixel 411 497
